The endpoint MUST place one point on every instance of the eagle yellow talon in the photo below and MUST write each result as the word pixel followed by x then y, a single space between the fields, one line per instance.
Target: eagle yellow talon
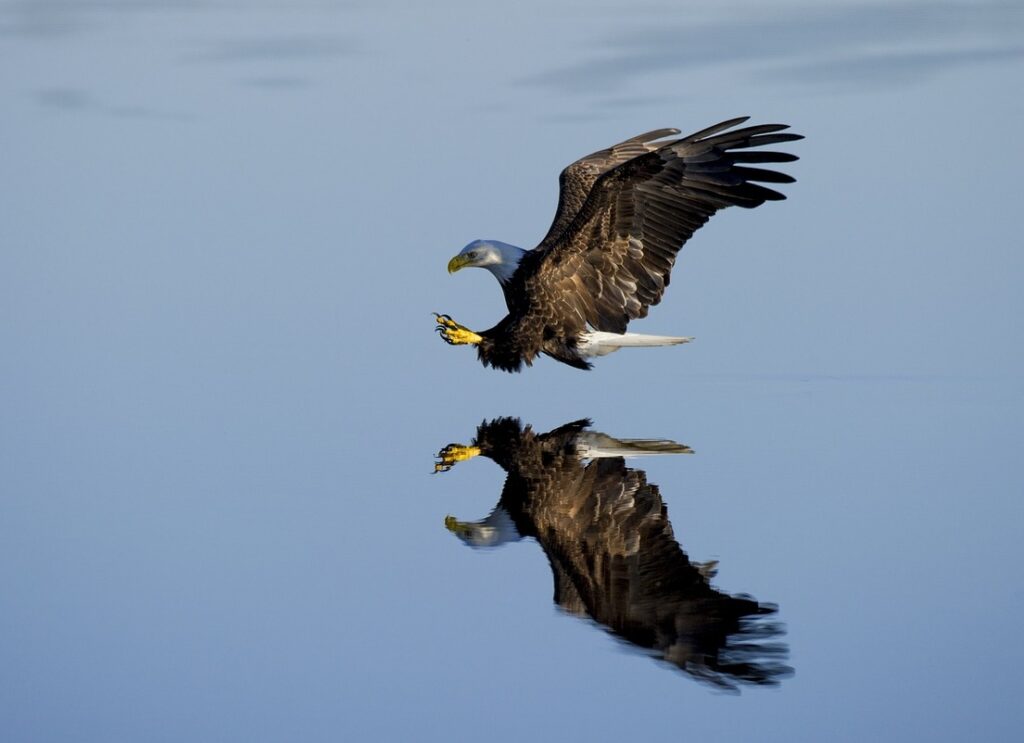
pixel 454 334
pixel 453 453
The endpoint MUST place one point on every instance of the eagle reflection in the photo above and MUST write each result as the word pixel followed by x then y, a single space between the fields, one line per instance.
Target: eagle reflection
pixel 606 534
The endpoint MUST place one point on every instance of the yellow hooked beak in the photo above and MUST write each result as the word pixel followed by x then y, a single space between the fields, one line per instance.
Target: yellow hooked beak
pixel 460 261
pixel 455 526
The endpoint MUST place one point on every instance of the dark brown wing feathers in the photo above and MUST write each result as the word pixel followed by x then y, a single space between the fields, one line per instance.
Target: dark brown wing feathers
pixel 577 179
pixel 613 261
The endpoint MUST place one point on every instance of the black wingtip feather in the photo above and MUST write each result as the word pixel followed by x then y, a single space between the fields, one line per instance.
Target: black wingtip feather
pixel 729 124
pixel 760 174
pixel 762 157
pixel 761 140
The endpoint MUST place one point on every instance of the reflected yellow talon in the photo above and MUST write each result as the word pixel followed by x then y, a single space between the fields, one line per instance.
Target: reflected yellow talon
pixel 452 454
pixel 454 334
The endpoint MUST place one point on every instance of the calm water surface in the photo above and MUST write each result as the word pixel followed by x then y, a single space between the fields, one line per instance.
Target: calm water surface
pixel 224 228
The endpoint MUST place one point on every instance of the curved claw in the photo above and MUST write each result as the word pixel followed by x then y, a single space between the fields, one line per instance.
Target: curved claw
pixel 445 460
pixel 450 455
pixel 454 334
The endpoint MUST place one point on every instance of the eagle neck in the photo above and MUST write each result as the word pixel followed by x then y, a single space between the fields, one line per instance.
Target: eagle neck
pixel 506 268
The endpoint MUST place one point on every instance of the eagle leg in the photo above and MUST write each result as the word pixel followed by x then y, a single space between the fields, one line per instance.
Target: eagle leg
pixel 454 334
pixel 452 454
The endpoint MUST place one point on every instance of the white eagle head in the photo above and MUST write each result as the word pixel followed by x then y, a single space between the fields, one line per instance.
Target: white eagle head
pixel 501 259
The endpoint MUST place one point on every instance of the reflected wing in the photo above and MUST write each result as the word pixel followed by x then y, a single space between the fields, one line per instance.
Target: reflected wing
pixel 629 572
pixel 612 261
pixel 576 180
pixel 606 534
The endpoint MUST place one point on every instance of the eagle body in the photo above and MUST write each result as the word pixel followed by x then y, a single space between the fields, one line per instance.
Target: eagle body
pixel 623 215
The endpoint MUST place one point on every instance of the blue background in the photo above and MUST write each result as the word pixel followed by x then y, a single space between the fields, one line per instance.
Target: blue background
pixel 224 227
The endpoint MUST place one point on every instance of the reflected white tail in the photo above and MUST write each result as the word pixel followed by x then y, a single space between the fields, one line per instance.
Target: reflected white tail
pixel 599 343
pixel 595 445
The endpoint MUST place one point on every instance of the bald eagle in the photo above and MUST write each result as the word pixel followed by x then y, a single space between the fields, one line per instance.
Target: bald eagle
pixel 606 534
pixel 623 214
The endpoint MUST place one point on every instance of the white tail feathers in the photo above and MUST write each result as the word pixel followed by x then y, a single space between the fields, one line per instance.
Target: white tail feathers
pixel 599 343
pixel 595 445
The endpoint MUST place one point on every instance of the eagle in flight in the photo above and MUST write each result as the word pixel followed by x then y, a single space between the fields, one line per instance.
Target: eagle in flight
pixel 623 214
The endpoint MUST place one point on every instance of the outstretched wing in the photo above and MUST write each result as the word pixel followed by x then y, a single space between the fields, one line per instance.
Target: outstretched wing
pixel 612 261
pixel 606 533
pixel 576 180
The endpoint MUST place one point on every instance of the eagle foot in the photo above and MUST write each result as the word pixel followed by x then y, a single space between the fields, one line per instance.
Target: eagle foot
pixel 452 454
pixel 454 334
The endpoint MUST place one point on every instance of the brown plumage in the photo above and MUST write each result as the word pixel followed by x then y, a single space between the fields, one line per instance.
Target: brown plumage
pixel 614 558
pixel 623 214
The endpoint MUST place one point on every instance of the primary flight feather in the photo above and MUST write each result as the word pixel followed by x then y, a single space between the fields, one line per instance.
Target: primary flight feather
pixel 623 214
